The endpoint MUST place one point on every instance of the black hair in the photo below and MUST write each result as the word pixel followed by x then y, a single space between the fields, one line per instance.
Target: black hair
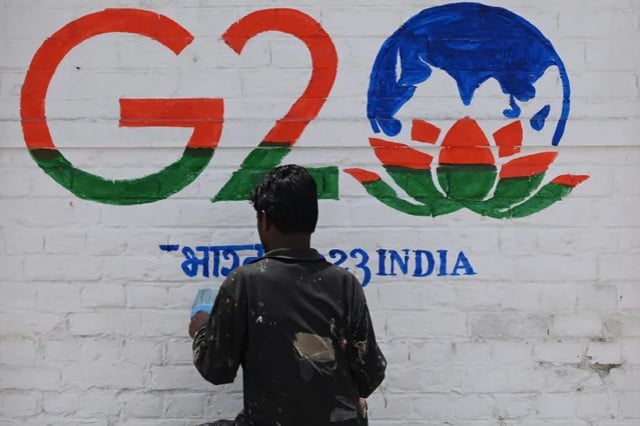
pixel 288 195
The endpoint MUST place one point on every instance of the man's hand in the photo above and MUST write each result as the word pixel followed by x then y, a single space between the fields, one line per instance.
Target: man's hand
pixel 363 407
pixel 197 322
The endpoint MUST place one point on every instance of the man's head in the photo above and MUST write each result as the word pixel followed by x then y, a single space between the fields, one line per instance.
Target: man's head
pixel 286 202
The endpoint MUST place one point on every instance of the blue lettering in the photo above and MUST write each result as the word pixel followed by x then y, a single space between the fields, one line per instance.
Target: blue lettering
pixel 443 263
pixel 463 263
pixel 431 263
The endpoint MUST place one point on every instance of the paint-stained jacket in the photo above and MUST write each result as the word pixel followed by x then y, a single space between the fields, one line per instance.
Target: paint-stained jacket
pixel 301 330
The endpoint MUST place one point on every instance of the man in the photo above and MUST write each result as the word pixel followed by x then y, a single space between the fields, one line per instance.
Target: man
pixel 298 325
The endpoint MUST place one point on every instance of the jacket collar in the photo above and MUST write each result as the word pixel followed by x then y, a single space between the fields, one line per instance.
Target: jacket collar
pixel 308 255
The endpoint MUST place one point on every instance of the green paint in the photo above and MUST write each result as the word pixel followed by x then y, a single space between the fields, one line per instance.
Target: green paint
pixel 509 192
pixel 264 158
pixel 466 182
pixel 513 197
pixel 548 195
pixel 148 189
pixel 430 207
pixel 418 184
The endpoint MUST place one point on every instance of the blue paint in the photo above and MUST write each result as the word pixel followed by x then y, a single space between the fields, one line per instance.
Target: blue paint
pixel 219 260
pixel 515 110
pixel 462 262
pixel 538 120
pixel 422 256
pixel 169 247
pixel 443 262
pixel 213 266
pixel 472 43
pixel 401 261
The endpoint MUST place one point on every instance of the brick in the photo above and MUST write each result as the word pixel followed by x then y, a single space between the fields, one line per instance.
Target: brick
pixel 578 325
pixel 61 402
pixel 62 268
pixel 22 240
pixel 623 325
pixel 432 324
pixel 619 266
pixel 516 406
pixel 512 325
pixel 594 406
pixel 629 405
pixel 624 378
pixel 631 350
pixel 19 295
pixel 142 352
pixel 105 322
pixel 180 353
pixel 59 297
pixel 31 377
pixel 94 404
pixel 139 296
pixel 560 352
pixel 23 323
pixel 104 376
pixel 628 296
pixel 433 407
pixel 601 299
pixel 504 380
pixel 100 295
pixel 11 268
pixel 184 405
pixel 14 405
pixel 557 405
pixel 604 353
pixel 571 378
pixel 177 377
pixel 18 351
pixel 474 407
pixel 420 378
pixel 166 323
pixel 60 351
pixel 144 405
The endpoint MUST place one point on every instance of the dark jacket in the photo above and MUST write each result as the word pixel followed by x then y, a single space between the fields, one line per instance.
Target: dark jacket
pixel 301 330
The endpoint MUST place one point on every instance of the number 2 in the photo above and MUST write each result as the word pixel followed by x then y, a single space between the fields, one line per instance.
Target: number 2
pixel 286 132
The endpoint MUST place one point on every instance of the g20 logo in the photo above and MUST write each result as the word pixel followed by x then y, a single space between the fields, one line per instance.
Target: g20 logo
pixel 467 174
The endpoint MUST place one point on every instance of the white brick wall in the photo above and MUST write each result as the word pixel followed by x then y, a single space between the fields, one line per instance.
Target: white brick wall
pixel 93 315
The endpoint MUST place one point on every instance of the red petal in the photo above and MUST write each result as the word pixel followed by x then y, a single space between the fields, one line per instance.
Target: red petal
pixel 570 180
pixel 397 154
pixel 509 139
pixel 466 143
pixel 528 165
pixel 423 131
pixel 363 176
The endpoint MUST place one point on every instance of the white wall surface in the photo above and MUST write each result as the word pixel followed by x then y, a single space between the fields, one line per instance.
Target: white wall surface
pixel 93 314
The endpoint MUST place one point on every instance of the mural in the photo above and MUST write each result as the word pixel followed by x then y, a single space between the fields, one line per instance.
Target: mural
pixel 205 116
pixel 472 43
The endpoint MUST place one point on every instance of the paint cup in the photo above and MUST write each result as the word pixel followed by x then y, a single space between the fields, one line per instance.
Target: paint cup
pixel 204 301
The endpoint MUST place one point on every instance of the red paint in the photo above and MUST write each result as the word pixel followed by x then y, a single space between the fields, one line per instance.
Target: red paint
pixel 466 143
pixel 509 139
pixel 397 154
pixel 423 131
pixel 363 176
pixel 53 51
pixel 324 60
pixel 203 114
pixel 528 165
pixel 570 180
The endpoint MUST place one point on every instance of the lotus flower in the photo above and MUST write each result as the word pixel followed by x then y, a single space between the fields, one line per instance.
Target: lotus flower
pixel 467 174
